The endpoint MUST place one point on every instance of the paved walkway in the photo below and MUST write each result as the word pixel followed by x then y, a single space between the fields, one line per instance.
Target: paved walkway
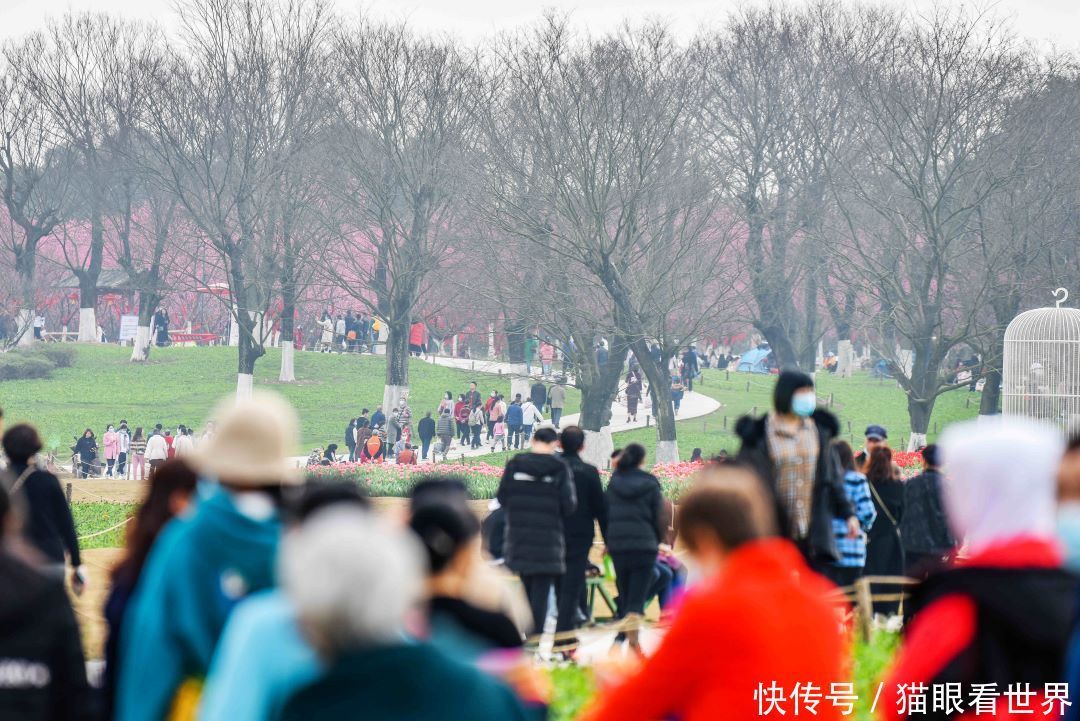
pixel 694 405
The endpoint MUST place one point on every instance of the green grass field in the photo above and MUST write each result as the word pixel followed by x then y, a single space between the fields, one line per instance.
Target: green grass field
pixel 182 385
pixel 857 401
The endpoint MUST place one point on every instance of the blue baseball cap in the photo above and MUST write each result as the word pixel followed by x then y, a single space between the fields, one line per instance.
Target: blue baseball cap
pixel 876 433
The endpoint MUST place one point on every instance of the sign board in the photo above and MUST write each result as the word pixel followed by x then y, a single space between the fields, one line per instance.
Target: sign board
pixel 129 325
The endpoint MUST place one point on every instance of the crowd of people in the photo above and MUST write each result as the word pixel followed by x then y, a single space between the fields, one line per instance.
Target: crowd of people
pixel 247 591
pixel 466 422
pixel 123 453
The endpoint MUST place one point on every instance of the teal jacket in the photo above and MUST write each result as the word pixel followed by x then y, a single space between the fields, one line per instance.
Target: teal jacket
pixel 415 682
pixel 200 567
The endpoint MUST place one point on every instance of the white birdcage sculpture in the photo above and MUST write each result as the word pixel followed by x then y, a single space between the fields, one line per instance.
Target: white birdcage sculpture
pixel 1041 371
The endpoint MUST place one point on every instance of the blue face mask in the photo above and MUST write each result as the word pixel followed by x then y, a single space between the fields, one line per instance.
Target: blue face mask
pixel 804 404
pixel 1068 532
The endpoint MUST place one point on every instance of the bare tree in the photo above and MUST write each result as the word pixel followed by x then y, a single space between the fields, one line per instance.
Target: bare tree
pixel 603 132
pixel 33 180
pixel 934 97
pixel 761 113
pixel 88 73
pixel 404 129
pixel 231 117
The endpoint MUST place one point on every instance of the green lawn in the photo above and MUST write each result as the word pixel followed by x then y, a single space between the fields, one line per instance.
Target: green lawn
pixel 181 385
pixel 857 401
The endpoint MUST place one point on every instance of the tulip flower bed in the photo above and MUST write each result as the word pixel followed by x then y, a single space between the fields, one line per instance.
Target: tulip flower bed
pixel 482 479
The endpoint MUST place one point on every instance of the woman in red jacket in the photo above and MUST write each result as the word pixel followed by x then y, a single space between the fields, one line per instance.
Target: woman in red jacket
pixel 759 620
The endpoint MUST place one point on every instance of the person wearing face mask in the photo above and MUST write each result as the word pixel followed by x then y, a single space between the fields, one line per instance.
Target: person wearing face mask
pixel 206 562
pixel 1002 613
pixel 790 448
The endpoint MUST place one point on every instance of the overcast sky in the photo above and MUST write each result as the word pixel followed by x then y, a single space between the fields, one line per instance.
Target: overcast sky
pixel 1048 21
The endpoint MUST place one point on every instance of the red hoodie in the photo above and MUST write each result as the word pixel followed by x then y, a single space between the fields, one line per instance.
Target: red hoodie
pixel 947 640
pixel 763 620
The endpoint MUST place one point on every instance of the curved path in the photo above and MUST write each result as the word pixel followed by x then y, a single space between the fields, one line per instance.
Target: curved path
pixel 694 405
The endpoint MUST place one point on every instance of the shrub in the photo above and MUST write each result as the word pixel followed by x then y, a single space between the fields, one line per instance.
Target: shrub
pixel 24 366
pixel 61 356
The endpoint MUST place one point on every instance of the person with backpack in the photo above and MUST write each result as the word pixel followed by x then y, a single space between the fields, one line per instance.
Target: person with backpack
pixel 530 418
pixel 537 491
pixel 444 429
pixel 374 447
pixel 476 424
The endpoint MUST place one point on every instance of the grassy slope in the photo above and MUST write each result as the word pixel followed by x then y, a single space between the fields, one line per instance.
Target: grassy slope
pixel 181 385
pixel 858 402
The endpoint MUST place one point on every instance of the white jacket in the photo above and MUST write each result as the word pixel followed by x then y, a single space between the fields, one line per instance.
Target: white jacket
pixel 156 448
pixel 183 445
pixel 530 414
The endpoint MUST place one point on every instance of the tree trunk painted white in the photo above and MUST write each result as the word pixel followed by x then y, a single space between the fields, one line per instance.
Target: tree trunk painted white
pixel 234 329
pixel 518 384
pixel 288 373
pixel 88 326
pixel 667 452
pixel 491 340
pixel 244 385
pixel 141 350
pixel 598 447
pixel 453 347
pixel 917 441
pixel 845 359
pixel 25 327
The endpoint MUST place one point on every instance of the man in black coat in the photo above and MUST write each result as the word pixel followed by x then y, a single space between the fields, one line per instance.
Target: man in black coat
pixel 924 528
pixel 538 395
pixel 579 528
pixel 537 491
pixel 426 430
pixel 827 499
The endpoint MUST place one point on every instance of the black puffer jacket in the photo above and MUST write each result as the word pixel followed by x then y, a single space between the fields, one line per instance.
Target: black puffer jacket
pixel 634 502
pixel 537 491
pixel 828 499
pixel 42 659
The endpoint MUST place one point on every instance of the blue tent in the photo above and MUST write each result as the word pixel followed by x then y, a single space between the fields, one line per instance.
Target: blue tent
pixel 755 360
